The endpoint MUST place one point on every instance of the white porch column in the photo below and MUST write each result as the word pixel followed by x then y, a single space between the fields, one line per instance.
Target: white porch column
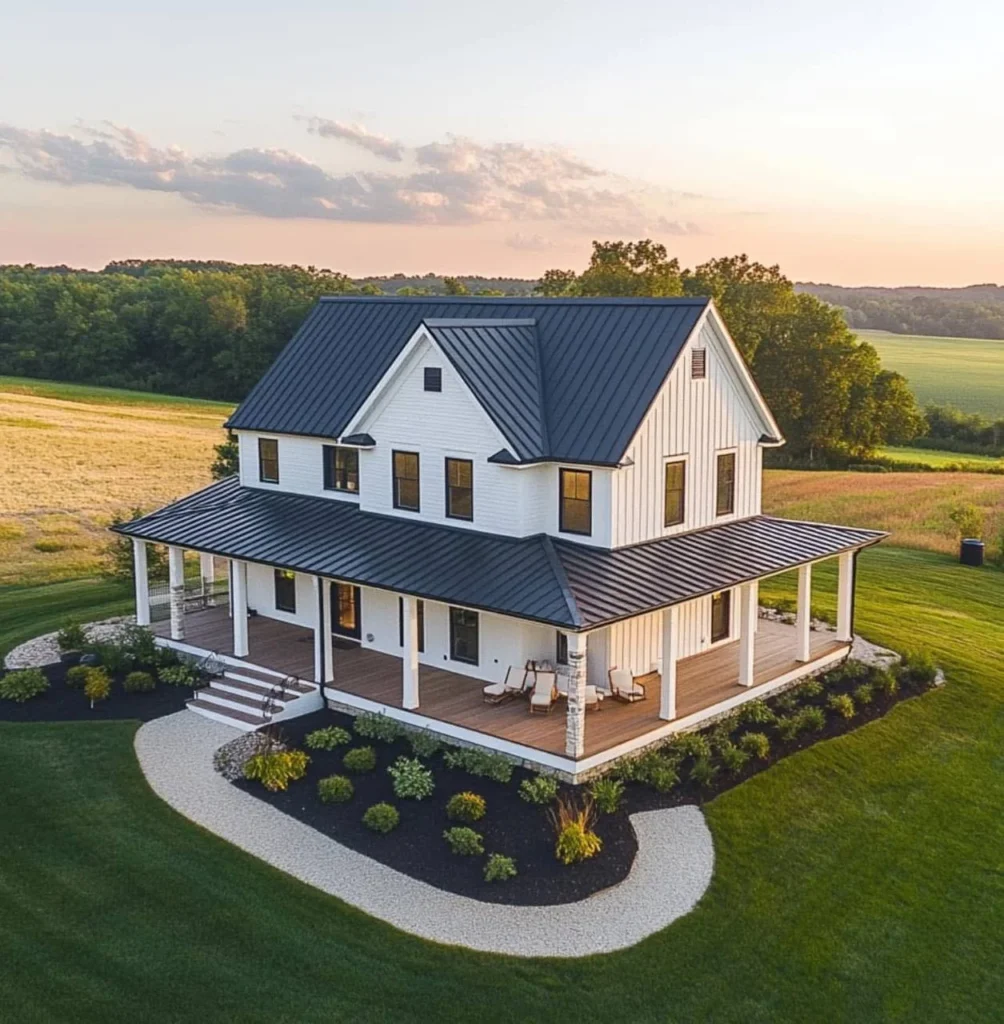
pixel 670 645
pixel 804 615
pixel 318 630
pixel 845 596
pixel 176 580
pixel 747 634
pixel 329 644
pixel 239 603
pixel 409 656
pixel 575 715
pixel 142 582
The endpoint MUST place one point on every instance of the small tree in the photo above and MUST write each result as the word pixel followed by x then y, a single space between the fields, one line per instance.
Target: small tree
pixel 968 520
pixel 227 461
pixel 118 552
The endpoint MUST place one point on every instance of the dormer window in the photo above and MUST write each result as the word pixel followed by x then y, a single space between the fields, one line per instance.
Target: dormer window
pixel 575 495
pixel 433 378
pixel 699 363
pixel 268 460
pixel 341 469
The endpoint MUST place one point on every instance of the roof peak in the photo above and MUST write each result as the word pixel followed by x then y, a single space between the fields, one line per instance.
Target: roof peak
pixel 477 321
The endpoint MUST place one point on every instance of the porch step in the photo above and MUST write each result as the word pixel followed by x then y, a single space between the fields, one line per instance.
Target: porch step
pixel 266 678
pixel 259 690
pixel 228 716
pixel 214 695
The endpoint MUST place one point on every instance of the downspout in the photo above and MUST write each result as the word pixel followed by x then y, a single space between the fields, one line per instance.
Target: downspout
pixel 322 626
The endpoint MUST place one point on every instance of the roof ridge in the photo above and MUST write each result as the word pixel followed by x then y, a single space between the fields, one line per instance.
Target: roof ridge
pixel 591 300
pixel 562 579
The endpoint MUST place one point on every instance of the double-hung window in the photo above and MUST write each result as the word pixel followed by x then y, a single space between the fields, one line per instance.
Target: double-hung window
pixel 341 469
pixel 575 495
pixel 460 489
pixel 268 460
pixel 725 493
pixel 406 490
pixel 676 479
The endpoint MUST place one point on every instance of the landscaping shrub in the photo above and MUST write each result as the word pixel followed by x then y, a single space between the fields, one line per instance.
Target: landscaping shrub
pixel 424 744
pixel 864 694
pixel 139 682
pixel 540 790
pixel 113 657
pixel 917 670
pixel 466 806
pixel 573 825
pixel 72 636
pixel 77 676
pixel 230 759
pixel 704 772
pixel 378 727
pixel 335 789
pixel 141 644
pixel 179 674
pixel 756 712
pixel 756 744
pixel 788 726
pixel 381 817
pixel 412 780
pixel 23 684
pixel 606 794
pixel 327 738
pixel 500 868
pixel 842 704
pixel 693 744
pixel 811 720
pixel 885 682
pixel 809 689
pixel 97 685
pixel 656 768
pixel 359 760
pixel 476 762
pixel 787 702
pixel 733 758
pixel 277 769
pixel 464 841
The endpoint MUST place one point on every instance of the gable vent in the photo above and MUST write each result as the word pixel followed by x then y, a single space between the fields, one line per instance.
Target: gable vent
pixel 433 378
pixel 699 363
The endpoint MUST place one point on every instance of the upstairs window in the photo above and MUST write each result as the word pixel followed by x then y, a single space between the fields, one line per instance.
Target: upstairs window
pixel 464 636
pixel 676 476
pixel 575 496
pixel 268 460
pixel 433 378
pixel 460 489
pixel 341 469
pixel 421 624
pixel 406 481
pixel 285 591
pixel 725 493
pixel 699 363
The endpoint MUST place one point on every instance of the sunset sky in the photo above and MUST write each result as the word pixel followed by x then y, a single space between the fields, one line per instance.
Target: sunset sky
pixel 856 143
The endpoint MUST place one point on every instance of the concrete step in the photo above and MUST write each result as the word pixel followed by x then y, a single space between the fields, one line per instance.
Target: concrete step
pixel 258 690
pixel 264 677
pixel 213 694
pixel 228 716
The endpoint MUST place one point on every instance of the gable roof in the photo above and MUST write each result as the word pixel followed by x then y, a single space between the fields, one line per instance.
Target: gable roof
pixel 601 363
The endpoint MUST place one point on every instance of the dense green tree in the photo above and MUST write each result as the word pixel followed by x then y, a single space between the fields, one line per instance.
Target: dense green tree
pixel 227 460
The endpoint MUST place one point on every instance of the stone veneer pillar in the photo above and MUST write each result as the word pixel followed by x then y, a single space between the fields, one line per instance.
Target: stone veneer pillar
pixel 575 715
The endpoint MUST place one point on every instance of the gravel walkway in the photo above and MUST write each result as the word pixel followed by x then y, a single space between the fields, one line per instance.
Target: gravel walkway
pixel 670 874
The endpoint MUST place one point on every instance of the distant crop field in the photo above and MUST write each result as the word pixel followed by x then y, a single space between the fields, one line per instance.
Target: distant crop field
pixel 913 507
pixel 72 456
pixel 933 457
pixel 965 372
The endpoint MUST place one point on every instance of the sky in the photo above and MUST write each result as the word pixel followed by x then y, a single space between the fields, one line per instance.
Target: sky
pixel 857 143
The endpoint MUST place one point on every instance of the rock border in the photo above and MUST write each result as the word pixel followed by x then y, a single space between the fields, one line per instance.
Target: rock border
pixel 43 650
pixel 670 874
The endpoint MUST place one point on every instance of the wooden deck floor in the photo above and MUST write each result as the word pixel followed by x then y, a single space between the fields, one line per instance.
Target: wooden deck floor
pixel 702 681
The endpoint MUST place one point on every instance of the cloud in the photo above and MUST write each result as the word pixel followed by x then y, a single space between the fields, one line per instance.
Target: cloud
pixel 529 243
pixel 379 145
pixel 452 182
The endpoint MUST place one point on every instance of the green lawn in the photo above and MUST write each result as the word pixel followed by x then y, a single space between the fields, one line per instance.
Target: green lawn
pixel 858 881
pixel 934 457
pixel 964 372
pixel 91 394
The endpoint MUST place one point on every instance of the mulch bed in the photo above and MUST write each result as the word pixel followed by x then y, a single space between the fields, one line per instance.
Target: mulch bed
pixel 416 847
pixel 62 703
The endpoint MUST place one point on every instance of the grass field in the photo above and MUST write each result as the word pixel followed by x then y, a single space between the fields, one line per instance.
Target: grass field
pixel 857 881
pixel 913 507
pixel 965 372
pixel 72 456
pixel 937 459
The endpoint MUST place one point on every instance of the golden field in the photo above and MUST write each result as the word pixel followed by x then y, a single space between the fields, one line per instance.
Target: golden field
pixel 68 463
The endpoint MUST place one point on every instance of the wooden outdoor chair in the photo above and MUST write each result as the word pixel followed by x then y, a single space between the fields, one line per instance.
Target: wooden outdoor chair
pixel 625 687
pixel 515 683
pixel 545 692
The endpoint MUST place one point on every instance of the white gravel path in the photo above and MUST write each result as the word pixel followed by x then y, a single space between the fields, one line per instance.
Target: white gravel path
pixel 670 874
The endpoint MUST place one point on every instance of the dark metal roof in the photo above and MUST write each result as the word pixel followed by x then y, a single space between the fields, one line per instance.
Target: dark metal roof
pixel 362 440
pixel 572 586
pixel 602 362
pixel 499 361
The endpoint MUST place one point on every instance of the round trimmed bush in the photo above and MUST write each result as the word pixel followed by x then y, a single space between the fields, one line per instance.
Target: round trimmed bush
pixel 863 694
pixel 756 744
pixel 139 682
pixel 464 841
pixel 842 704
pixel 23 684
pixel 466 806
pixel 500 868
pixel 335 789
pixel 606 794
pixel 381 817
pixel 576 842
pixel 359 760
pixel 412 780
pixel 327 738
pixel 77 676
pixel 540 790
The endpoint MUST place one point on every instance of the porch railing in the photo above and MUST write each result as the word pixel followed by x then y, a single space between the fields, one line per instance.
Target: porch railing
pixel 199 595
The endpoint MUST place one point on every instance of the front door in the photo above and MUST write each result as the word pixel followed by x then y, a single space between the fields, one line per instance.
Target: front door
pixel 345 617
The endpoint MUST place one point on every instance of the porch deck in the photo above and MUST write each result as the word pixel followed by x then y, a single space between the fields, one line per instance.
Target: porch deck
pixel 702 681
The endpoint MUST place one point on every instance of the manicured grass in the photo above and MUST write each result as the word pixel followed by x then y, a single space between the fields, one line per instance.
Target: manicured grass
pixel 859 880
pixel 964 372
pixel 933 457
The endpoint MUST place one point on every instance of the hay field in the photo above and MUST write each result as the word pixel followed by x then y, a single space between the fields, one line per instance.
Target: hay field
pixel 71 457
pixel 913 507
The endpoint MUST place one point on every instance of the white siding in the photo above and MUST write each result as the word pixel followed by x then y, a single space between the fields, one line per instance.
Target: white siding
pixel 261 596
pixel 695 420
pixel 301 469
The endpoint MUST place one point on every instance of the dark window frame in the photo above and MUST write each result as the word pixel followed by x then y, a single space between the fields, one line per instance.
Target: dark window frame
pixel 724 599
pixel 263 459
pixel 666 521
pixel 281 579
pixel 475 620
pixel 561 648
pixel 432 378
pixel 337 629
pixel 588 501
pixel 450 488
pixel 339 478
pixel 421 624
pixel 721 508
pixel 395 481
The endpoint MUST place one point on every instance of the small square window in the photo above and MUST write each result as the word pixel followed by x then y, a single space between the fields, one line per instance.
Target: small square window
pixel 699 363
pixel 433 378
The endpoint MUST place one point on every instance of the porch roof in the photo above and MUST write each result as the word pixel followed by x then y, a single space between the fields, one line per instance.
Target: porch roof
pixel 572 586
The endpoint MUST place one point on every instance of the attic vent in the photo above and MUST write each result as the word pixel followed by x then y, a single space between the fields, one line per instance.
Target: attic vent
pixel 433 378
pixel 699 363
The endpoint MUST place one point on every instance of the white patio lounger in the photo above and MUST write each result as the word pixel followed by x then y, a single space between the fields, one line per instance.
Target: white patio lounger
pixel 623 686
pixel 544 693
pixel 513 684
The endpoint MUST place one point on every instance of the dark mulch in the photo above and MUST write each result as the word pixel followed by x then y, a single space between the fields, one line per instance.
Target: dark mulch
pixel 417 848
pixel 62 703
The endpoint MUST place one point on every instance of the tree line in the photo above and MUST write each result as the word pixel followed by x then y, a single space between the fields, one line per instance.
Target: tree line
pixel 211 329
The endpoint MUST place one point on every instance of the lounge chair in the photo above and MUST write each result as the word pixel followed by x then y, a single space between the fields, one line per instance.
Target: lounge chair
pixel 624 687
pixel 544 693
pixel 513 684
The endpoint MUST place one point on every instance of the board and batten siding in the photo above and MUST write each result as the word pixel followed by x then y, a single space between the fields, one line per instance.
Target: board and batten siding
pixel 694 420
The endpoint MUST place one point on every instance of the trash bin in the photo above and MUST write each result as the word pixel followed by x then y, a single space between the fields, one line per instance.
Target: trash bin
pixel 971 552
